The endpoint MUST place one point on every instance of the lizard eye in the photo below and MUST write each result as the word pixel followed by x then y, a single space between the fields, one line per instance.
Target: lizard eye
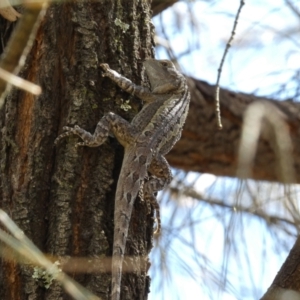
pixel 164 63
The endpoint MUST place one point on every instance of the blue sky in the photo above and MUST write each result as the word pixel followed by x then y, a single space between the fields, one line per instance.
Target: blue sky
pixel 265 51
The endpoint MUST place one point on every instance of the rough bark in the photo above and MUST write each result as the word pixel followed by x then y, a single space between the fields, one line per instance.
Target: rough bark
pixel 204 148
pixel 63 197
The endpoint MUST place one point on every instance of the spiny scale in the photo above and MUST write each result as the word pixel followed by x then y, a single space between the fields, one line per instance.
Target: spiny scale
pixel 151 134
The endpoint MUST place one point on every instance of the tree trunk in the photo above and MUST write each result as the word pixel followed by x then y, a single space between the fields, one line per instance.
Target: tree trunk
pixel 63 197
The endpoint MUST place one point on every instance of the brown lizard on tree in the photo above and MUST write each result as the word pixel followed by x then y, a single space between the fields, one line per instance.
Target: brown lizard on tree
pixel 151 134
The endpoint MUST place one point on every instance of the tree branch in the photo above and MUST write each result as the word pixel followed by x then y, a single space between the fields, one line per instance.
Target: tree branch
pixel 158 6
pixel 203 148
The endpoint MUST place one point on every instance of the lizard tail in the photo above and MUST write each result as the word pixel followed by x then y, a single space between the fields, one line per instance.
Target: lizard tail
pixel 129 183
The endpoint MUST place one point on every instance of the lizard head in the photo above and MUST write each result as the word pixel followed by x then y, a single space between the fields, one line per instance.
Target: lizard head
pixel 163 76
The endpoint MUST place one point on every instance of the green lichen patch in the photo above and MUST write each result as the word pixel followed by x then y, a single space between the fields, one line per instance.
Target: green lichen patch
pixel 46 277
pixel 121 24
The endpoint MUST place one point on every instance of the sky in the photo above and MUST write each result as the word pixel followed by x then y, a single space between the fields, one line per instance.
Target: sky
pixel 264 56
pixel 265 51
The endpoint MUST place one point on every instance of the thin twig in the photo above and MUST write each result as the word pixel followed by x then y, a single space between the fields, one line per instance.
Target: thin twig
pixel 20 243
pixel 293 8
pixel 8 12
pixel 217 92
pixel 263 118
pixel 20 43
pixel 20 83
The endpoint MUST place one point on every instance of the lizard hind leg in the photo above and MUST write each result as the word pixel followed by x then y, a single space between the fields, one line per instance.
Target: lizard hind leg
pixel 160 177
pixel 151 200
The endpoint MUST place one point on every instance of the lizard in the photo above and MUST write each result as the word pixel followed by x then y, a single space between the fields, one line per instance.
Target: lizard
pixel 147 139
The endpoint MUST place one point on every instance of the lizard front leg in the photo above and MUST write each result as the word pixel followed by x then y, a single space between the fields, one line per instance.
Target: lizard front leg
pixel 127 85
pixel 110 123
pixel 160 177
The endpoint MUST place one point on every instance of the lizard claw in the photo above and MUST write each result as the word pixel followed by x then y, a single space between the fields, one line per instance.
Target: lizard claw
pixel 106 68
pixel 80 144
pixel 67 128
